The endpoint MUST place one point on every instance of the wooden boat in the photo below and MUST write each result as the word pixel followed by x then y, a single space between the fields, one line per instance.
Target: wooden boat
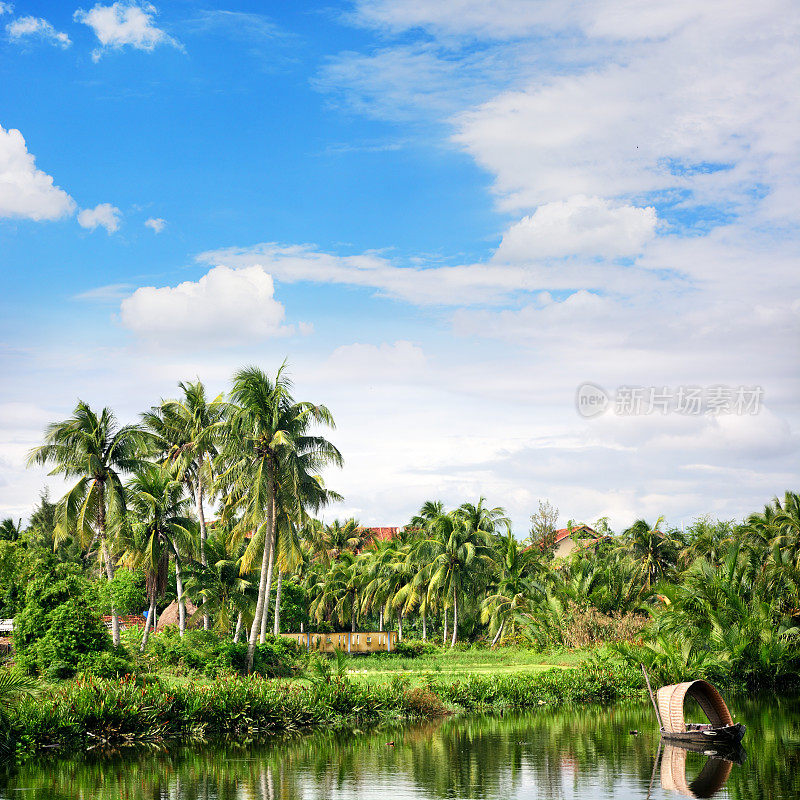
pixel 720 729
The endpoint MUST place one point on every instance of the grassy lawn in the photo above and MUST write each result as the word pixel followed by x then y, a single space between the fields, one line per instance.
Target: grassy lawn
pixel 459 664
pixel 445 664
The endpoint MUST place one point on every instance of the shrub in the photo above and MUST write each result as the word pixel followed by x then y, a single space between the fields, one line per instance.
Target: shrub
pixel 58 624
pixel 422 702
pixel 105 664
pixel 126 592
pixel 414 648
pixel 207 653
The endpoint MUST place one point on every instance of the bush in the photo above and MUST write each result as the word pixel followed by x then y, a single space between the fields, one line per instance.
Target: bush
pixel 106 664
pixel 414 648
pixel 207 653
pixel 126 592
pixel 58 624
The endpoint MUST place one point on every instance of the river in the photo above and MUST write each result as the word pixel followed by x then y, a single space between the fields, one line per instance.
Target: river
pixel 585 752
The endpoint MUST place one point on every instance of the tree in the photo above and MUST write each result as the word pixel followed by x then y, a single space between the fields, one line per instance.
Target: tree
pixel 9 530
pixel 513 587
pixel 653 552
pixel 186 433
pixel 459 554
pixel 96 450
pixel 543 527
pixel 159 527
pixel 267 446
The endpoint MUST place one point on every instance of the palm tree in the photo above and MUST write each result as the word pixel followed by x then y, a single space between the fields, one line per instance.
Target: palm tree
pixel 513 588
pixel 221 585
pixel 458 553
pixel 267 449
pixel 186 432
pixel 97 451
pixel 159 527
pixel 336 592
pixel 653 552
pixel 9 530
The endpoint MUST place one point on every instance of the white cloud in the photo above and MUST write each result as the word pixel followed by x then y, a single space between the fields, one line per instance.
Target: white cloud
pixel 23 27
pixel 124 23
pixel 26 191
pixel 113 292
pixel 578 226
pixel 226 306
pixel 104 215
pixel 156 224
pixel 6 8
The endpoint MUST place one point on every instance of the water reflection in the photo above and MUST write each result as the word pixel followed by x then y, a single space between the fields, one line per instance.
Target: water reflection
pixel 710 779
pixel 581 753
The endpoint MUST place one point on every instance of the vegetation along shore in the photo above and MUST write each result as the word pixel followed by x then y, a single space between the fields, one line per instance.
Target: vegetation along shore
pixel 148 602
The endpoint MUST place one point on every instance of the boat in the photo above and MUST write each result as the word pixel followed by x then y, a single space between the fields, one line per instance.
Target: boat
pixel 720 729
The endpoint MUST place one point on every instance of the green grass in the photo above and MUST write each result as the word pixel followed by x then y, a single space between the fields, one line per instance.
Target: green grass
pixel 458 664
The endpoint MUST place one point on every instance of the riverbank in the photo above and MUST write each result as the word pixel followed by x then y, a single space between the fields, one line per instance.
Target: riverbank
pixel 79 714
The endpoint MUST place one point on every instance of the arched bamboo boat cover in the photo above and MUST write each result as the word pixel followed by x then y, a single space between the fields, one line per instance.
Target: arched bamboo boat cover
pixel 710 780
pixel 670 705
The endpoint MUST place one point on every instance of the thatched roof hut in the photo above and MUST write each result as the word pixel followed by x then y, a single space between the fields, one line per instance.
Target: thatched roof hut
pixel 170 616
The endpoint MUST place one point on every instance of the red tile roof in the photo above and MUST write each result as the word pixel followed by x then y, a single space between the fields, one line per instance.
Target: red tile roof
pixel 563 533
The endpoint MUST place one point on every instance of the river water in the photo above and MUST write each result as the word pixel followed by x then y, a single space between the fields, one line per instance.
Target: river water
pixel 585 752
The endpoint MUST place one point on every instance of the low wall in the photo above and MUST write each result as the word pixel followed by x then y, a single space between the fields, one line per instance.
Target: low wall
pixel 359 642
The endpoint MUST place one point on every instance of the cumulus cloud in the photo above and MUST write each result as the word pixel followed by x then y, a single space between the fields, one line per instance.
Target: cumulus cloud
pixel 26 27
pixel 6 8
pixel 124 23
pixel 26 191
pixel 156 224
pixel 225 306
pixel 578 226
pixel 103 215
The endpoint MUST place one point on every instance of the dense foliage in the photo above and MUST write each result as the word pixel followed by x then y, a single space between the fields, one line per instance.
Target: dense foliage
pixel 717 599
pixel 75 713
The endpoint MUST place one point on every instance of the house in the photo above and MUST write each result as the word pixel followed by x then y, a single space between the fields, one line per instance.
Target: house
pixel 565 539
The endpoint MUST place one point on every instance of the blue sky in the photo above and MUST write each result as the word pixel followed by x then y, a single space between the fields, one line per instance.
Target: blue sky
pixel 446 215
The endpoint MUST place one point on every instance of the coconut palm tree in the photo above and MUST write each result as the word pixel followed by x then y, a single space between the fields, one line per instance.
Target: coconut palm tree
pixel 159 527
pixel 653 552
pixel 9 530
pixel 185 432
pixel 220 584
pixel 267 449
pixel 514 587
pixel 459 555
pixel 97 451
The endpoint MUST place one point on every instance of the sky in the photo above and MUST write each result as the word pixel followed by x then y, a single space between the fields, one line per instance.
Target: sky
pixel 525 250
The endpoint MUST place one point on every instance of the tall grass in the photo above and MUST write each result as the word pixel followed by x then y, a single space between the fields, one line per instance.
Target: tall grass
pixel 90 711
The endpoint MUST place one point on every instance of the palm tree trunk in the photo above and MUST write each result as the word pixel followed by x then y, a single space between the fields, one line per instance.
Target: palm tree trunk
pixel 499 633
pixel 181 601
pixel 151 613
pixel 262 586
pixel 399 626
pixel 238 629
pixel 279 583
pixel 444 626
pixel 455 618
pixel 424 624
pixel 268 588
pixel 203 536
pixel 380 621
pixel 109 567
